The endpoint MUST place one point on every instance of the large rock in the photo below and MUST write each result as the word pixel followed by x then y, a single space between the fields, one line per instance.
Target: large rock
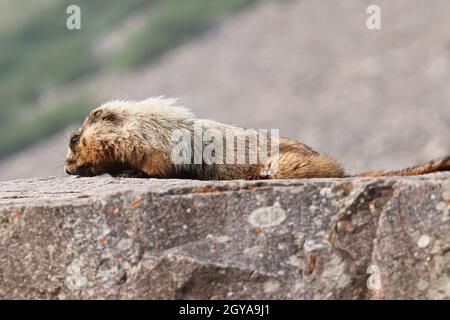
pixel 103 237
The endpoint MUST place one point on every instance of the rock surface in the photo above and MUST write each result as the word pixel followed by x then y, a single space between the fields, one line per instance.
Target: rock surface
pixel 67 237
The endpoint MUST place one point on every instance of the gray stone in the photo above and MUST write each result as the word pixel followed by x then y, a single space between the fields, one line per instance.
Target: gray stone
pixel 103 237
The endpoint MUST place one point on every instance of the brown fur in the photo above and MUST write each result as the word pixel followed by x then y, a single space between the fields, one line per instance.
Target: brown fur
pixel 129 138
pixel 442 164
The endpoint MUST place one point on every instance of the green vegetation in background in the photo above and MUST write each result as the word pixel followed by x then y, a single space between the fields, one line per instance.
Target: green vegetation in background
pixel 30 130
pixel 170 23
pixel 40 54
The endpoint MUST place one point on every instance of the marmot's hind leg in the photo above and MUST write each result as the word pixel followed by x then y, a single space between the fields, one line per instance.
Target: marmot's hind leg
pixel 292 165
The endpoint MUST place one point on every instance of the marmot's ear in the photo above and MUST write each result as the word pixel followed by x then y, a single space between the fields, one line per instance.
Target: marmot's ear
pixel 103 115
pixel 96 114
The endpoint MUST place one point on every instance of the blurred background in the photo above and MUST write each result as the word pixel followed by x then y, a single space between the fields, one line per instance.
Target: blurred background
pixel 373 99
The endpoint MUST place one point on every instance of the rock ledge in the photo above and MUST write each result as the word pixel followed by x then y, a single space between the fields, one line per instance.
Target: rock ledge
pixel 67 237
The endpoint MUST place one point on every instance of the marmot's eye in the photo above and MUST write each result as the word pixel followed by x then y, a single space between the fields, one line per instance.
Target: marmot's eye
pixel 74 139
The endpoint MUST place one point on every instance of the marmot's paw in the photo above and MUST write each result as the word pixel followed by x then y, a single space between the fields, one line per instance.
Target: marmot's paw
pixel 132 174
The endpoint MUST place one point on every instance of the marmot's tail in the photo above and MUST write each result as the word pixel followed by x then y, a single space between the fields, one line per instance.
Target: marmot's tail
pixel 442 164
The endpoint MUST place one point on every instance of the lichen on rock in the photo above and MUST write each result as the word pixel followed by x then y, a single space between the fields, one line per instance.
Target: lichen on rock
pixel 104 237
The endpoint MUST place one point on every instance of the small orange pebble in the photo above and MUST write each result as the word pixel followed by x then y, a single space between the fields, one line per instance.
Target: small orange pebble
pixel 2 238
pixel 206 190
pixel 112 210
pixel 448 202
pixel 18 213
pixel 258 230
pixel 102 240
pixel 313 262
pixel 135 203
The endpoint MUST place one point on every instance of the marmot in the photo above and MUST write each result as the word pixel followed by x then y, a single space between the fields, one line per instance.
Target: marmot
pixel 136 139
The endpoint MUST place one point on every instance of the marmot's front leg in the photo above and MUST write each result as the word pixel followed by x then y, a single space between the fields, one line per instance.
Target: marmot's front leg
pixel 157 164
pixel 132 174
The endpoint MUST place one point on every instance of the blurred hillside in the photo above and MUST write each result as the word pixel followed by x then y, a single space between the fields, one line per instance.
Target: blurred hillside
pixel 373 99
pixel 42 63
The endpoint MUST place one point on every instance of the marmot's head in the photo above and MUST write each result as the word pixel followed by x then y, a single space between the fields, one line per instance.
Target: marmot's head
pixel 91 148
pixel 119 135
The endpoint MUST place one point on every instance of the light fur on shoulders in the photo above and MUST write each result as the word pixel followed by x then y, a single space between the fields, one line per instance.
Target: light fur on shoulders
pixel 166 107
